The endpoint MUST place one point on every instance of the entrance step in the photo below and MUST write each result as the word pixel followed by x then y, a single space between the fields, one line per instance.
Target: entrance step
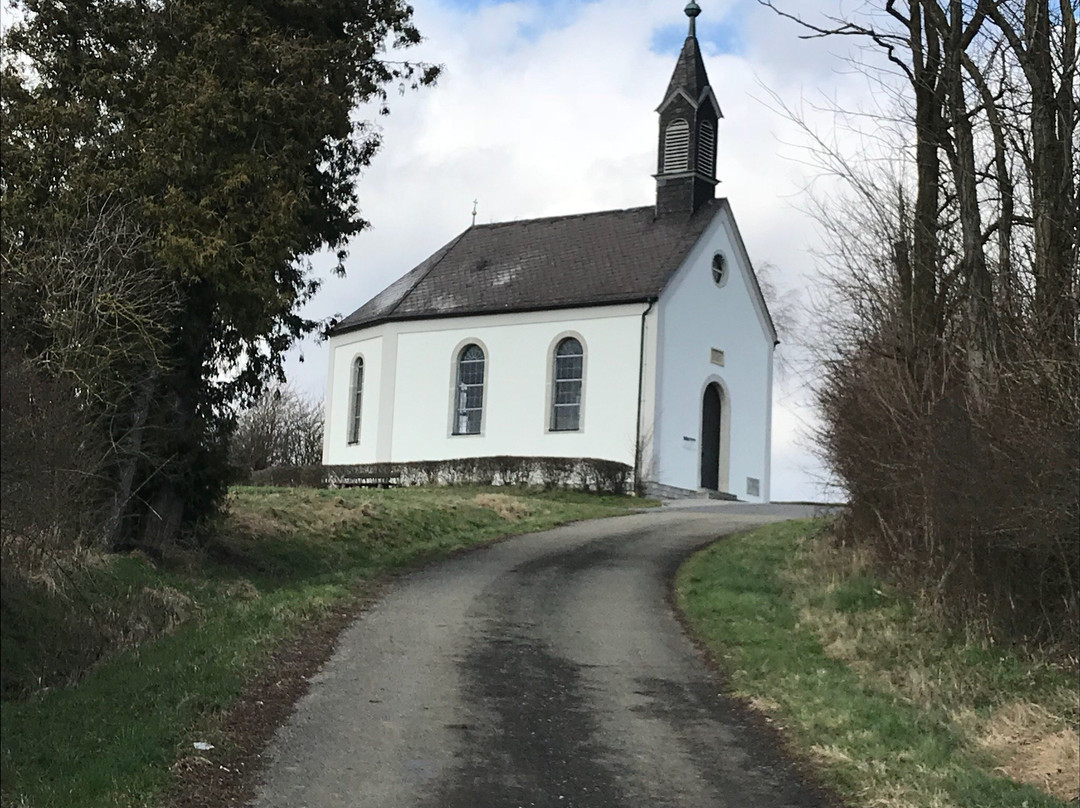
pixel 706 493
pixel 661 491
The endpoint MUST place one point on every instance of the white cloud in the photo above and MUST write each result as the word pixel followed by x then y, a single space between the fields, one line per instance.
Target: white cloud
pixel 545 110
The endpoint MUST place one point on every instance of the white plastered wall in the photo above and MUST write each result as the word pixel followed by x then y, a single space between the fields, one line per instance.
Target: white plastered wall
pixel 343 353
pixel 695 316
pixel 410 372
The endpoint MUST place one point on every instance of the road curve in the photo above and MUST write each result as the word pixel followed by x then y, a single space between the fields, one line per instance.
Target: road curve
pixel 547 670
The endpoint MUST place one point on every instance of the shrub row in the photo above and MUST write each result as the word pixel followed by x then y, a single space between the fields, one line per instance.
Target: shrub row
pixel 581 474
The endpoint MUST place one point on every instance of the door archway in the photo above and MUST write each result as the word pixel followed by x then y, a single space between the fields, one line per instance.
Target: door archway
pixel 711 429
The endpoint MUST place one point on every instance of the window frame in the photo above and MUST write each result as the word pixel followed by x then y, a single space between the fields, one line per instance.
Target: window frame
pixel 356 401
pixel 455 381
pixel 549 414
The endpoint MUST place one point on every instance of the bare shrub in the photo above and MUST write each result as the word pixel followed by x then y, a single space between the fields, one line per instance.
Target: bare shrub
pixel 290 476
pixel 283 429
pixel 60 612
pixel 83 302
pixel 972 502
pixel 950 397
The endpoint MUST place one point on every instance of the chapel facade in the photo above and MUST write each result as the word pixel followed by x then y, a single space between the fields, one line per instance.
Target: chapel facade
pixel 638 336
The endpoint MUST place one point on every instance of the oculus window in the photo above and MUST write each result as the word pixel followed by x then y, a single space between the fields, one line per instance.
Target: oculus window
pixel 719 269
pixel 568 372
pixel 355 396
pixel 469 393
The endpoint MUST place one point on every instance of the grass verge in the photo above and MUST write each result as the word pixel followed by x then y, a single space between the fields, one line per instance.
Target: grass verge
pixel 280 559
pixel 893 709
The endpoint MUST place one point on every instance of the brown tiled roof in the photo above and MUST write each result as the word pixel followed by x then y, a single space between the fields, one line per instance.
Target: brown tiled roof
pixel 618 256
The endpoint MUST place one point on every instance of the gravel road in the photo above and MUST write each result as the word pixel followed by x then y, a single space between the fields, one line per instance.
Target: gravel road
pixel 547 670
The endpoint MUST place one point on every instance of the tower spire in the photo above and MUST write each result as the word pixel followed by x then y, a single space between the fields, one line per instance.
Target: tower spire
pixel 686 158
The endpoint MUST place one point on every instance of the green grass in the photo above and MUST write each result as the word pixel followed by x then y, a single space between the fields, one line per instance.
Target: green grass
pixel 893 709
pixel 280 558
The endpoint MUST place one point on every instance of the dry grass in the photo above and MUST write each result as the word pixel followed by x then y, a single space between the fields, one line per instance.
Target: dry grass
pixel 241 589
pixel 765 705
pixel 47 558
pixel 281 513
pixel 900 797
pixel 1034 746
pixel 256 524
pixel 901 647
pixel 510 508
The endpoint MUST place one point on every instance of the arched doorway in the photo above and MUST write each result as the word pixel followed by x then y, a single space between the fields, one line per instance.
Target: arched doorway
pixel 710 437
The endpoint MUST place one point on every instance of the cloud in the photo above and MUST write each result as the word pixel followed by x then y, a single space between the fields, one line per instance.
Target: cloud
pixel 548 108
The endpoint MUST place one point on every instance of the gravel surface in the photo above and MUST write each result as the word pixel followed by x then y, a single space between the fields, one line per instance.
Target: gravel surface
pixel 547 670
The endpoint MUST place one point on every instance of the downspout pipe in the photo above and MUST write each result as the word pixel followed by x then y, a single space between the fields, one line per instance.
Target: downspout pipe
pixel 638 453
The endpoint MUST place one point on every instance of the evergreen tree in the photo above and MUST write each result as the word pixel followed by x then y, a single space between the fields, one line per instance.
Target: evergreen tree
pixel 225 132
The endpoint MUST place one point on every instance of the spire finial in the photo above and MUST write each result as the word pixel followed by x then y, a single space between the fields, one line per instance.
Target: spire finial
pixel 692 10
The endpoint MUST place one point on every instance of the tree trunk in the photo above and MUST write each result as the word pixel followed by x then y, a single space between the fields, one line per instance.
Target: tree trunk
pixel 129 455
pixel 922 307
pixel 1053 184
pixel 1006 272
pixel 164 518
pixel 180 482
pixel 956 33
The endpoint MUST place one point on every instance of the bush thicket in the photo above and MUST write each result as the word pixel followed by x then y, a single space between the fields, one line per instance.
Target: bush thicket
pixel 950 397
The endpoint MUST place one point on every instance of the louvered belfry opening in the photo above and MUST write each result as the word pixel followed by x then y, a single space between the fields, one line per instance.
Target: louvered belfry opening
pixel 706 149
pixel 686 159
pixel 677 146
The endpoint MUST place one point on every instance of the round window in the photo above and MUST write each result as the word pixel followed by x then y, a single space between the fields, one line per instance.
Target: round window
pixel 719 269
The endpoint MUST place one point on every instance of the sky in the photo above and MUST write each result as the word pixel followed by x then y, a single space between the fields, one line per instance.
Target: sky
pixel 547 107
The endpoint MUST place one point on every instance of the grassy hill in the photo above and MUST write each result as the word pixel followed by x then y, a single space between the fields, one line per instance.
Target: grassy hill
pixel 114 666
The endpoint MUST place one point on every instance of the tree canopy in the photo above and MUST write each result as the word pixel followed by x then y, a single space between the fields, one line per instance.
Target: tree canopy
pixel 223 136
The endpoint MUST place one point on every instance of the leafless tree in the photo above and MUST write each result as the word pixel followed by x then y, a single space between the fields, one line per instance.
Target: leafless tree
pixel 950 389
pixel 283 428
pixel 85 308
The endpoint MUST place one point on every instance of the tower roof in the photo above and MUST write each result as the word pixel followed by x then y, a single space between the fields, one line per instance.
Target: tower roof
pixel 690 78
pixel 689 74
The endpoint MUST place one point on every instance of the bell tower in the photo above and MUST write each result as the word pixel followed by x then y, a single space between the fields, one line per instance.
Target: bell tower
pixel 686 156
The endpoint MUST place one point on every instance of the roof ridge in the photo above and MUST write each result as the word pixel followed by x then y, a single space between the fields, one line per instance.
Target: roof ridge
pixel 559 216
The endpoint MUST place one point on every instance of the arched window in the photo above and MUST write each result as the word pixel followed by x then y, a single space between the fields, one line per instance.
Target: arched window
pixel 355 395
pixel 706 155
pixel 677 146
pixel 568 372
pixel 469 395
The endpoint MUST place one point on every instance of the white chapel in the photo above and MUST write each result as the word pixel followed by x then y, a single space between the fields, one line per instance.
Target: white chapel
pixel 638 336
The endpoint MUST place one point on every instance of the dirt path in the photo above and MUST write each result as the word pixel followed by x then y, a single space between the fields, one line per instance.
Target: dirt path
pixel 544 671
